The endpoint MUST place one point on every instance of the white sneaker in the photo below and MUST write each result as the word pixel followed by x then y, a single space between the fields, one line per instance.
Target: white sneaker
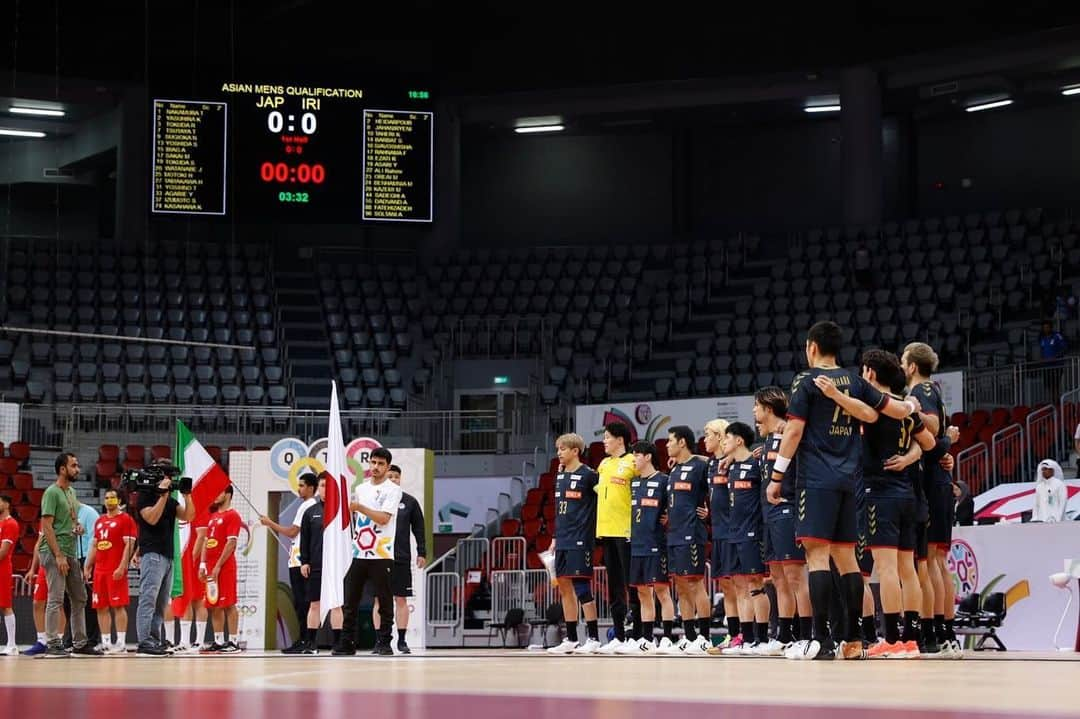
pixel 592 646
pixel 630 647
pixel 9 651
pixel 681 646
pixel 666 647
pixel 118 649
pixel 958 649
pixel 611 648
pixel 796 649
pixel 697 648
pixel 566 647
pixel 771 648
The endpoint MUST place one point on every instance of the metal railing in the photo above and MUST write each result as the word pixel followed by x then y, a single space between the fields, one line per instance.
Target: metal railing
pixel 83 427
pixel 508 553
pixel 444 600
pixel 507 592
pixel 1008 456
pixel 973 467
pixel 540 593
pixel 473 553
pixel 1068 405
pixel 1024 383
pixel 1041 428
pixel 600 592
pixel 489 337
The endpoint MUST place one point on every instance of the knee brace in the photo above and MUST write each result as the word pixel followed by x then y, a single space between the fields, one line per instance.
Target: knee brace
pixel 582 590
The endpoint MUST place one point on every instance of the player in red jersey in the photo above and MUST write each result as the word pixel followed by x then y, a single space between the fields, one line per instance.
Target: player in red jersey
pixel 218 567
pixel 190 606
pixel 9 535
pixel 107 569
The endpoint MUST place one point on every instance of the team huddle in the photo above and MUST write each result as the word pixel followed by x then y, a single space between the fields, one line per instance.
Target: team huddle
pixel 852 477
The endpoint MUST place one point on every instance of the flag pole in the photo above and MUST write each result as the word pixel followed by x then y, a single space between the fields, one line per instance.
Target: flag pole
pixel 257 512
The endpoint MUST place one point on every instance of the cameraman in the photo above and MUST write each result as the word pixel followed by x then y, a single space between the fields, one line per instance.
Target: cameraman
pixel 156 521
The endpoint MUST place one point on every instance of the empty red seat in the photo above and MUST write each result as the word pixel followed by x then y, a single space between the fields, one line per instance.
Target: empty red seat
pixel 105 468
pixel 999 417
pixel 531 528
pixel 108 453
pixel 1019 414
pixel 543 542
pixel 8 465
pixel 510 528
pixel 986 434
pixel 5 482
pixel 547 482
pixel 34 496
pixel 19 451
pixel 595 454
pixel 534 497
pixel 134 456
pixel 549 514
pixel 161 451
pixel 20 563
pixel 553 466
pixel 27 513
pixel 532 561
pixel 22 481
pixel 960 419
pixel 27 544
pixel 979 419
pixel 530 511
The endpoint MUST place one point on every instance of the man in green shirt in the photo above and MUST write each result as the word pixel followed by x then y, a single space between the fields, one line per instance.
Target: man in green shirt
pixel 59 527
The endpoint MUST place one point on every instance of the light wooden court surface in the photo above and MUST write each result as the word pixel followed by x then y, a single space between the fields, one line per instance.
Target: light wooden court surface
pixel 484 684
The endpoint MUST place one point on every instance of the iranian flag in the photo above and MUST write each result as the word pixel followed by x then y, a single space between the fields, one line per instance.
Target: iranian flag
pixel 208 480
pixel 337 520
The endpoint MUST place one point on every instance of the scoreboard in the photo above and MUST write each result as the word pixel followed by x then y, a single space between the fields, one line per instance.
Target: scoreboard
pixel 294 153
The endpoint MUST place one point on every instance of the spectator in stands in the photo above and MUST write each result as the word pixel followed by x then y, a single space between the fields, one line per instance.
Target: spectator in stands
pixel 965 503
pixel 59 525
pixel 1050 493
pixel 1051 344
pixel 156 520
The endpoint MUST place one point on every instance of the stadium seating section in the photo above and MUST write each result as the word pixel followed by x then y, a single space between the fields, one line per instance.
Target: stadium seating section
pixel 17 482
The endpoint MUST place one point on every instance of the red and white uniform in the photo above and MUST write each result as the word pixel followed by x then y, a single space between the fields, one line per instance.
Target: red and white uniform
pixel 9 536
pixel 222 527
pixel 194 590
pixel 111 535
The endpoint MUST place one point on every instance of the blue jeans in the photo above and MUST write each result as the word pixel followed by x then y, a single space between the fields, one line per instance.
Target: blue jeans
pixel 155 586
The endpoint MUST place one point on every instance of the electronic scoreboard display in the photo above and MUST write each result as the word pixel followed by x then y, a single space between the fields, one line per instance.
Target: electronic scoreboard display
pixel 301 153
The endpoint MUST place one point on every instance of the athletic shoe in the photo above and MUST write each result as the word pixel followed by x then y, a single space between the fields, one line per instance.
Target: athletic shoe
pixel 148 649
pixel 403 648
pixel 726 643
pixel 666 647
pixel 212 648
pixel 566 647
pixel 36 650
pixel 56 652
pixel 930 650
pixel 611 648
pixel 632 647
pixel 116 650
pixel 383 649
pixel 9 651
pixel 309 648
pixel 229 647
pixel 680 646
pixel 734 648
pixel 698 648
pixel 813 649
pixel 771 648
pixel 296 648
pixel 851 650
pixel 885 650
pixel 957 649
pixel 591 646
pixel 796 649
pixel 87 651
pixel 344 648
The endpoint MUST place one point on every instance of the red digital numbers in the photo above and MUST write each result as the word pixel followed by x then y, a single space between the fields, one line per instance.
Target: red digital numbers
pixel 283 172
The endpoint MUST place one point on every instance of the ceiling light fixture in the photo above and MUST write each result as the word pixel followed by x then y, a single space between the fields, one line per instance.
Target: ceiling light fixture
pixel 539 128
pixel 822 108
pixel 20 133
pixel 42 111
pixel 987 105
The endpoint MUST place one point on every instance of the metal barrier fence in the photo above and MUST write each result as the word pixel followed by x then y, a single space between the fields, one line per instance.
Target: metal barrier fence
pixel 444 600
pixel 973 467
pixel 508 553
pixel 1024 383
pixel 1008 456
pixel 540 593
pixel 1069 406
pixel 600 592
pixel 507 592
pixel 1041 428
pixel 83 427
pixel 473 553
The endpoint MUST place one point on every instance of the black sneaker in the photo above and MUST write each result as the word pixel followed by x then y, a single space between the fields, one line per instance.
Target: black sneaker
pixel 296 648
pixel 55 652
pixel 403 648
pixel 169 647
pixel 344 648
pixel 147 649
pixel 229 647
pixel 308 648
pixel 87 651
pixel 384 650
pixel 212 648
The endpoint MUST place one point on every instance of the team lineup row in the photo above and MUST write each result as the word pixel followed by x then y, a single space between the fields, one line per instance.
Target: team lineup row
pixel 853 474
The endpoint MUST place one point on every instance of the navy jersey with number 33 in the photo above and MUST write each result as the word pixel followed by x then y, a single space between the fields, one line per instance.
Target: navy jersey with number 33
pixel 575 508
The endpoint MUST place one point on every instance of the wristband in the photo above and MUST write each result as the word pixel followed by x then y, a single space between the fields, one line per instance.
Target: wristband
pixel 776 478
pixel 781 465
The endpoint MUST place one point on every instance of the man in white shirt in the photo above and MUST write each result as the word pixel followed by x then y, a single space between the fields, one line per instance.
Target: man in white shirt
pixel 374 508
pixel 1050 493
pixel 308 484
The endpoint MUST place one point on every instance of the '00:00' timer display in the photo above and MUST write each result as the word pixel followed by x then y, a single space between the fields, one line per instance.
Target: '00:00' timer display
pixel 310 154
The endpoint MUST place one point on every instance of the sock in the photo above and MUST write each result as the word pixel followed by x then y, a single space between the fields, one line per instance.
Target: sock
pixel 41 637
pixel 185 633
pixel 869 630
pixel 926 628
pixel 950 630
pixel 785 635
pixel 669 629
pixel 761 629
pixel 9 625
pixel 853 596
pixel 939 627
pixel 200 632
pixel 647 629
pixel 703 627
pixel 733 627
pixel 571 631
pixel 593 628
pixel 688 630
pixel 821 599
pixel 911 626
pixel 892 627
pixel 806 627
pixel 106 641
pixel 401 636
pixel 636 628
pixel 121 638
pixel 335 633
pixel 219 637
pixel 618 622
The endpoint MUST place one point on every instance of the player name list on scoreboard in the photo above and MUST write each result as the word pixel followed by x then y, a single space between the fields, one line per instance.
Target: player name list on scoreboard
pixel 189 157
pixel 397 165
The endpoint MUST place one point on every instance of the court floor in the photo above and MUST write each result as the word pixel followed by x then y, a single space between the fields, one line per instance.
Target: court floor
pixel 527 685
